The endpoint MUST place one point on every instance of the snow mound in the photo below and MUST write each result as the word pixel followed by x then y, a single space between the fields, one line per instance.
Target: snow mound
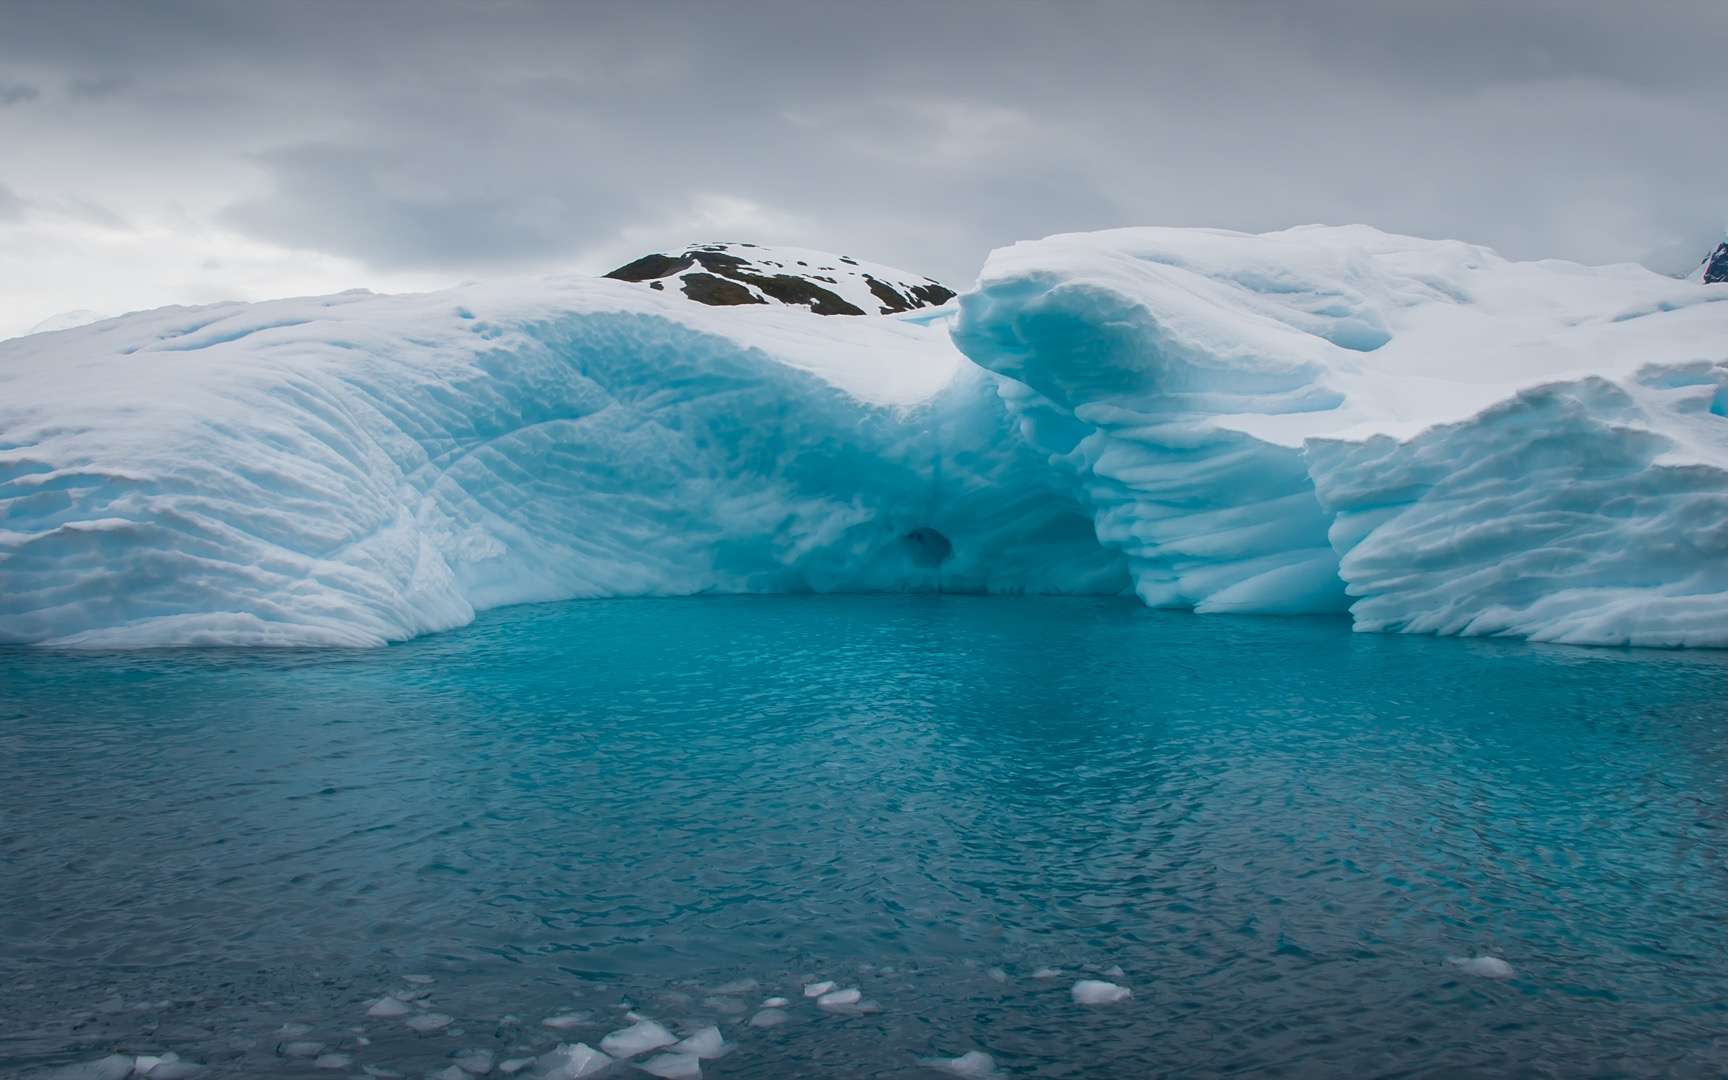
pixel 731 274
pixel 1429 435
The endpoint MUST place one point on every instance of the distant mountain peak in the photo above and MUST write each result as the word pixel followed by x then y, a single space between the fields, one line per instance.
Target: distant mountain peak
pixel 1715 267
pixel 738 273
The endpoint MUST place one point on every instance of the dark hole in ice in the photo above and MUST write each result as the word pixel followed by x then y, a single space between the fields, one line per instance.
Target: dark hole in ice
pixel 928 547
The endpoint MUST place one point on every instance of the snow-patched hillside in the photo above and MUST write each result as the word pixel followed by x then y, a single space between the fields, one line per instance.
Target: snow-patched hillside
pixel 725 275
pixel 1322 419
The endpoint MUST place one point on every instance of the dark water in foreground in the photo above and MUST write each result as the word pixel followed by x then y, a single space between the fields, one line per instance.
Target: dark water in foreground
pixel 1279 830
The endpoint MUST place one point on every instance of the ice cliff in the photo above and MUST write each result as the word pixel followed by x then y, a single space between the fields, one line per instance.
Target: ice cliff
pixel 1325 419
pixel 1435 437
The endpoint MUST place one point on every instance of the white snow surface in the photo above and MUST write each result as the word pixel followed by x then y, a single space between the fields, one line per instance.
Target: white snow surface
pixel 1323 419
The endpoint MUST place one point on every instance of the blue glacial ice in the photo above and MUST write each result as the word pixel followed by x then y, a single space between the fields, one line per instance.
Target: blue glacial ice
pixel 1421 433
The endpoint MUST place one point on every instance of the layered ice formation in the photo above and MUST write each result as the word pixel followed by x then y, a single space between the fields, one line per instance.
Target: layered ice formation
pixel 1434 437
pixel 1318 420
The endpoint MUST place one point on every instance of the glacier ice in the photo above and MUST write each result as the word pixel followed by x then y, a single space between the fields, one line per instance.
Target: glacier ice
pixel 1424 433
pixel 1421 433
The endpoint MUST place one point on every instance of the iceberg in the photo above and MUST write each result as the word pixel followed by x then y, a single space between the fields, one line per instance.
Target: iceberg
pixel 1420 433
pixel 358 469
pixel 1428 435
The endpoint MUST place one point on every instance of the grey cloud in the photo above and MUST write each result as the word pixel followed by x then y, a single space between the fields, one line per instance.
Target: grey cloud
pixel 17 93
pixel 12 207
pixel 456 134
pixel 438 206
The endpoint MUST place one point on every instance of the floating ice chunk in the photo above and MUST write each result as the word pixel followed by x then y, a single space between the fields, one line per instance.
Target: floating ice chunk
pixel 1484 967
pixel 769 1018
pixel 475 1062
pixel 176 1069
pixel 567 1062
pixel 449 1072
pixel 566 1021
pixel 973 1064
pixel 419 980
pixel 737 986
pixel 1047 973
pixel 112 1067
pixel 389 1007
pixel 143 1063
pixel 428 1023
pixel 704 1043
pixel 840 998
pixel 1099 992
pixel 638 1038
pixel 818 989
pixel 776 1003
pixel 1114 971
pixel 291 1030
pixel 333 1061
pixel 300 1048
pixel 512 1066
pixel 997 974
pixel 674 1066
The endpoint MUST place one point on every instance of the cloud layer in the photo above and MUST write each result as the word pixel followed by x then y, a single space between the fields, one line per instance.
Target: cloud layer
pixel 184 150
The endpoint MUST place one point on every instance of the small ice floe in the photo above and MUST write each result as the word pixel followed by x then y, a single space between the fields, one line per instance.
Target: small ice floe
pixel 674 1066
pixel 776 1003
pixel 1047 973
pixel 419 980
pixel 389 1007
pixel 449 1072
pixel 428 1023
pixel 1099 992
pixel 300 1048
pixel 769 1018
pixel 973 1064
pixel 638 1038
pixel 475 1062
pixel 729 1005
pixel 332 1061
pixel 566 1021
pixel 839 999
pixel 1114 971
pixel 293 1030
pixel 566 1062
pixel 173 1068
pixel 143 1063
pixel 512 1066
pixel 1483 967
pixel 997 975
pixel 817 989
pixel 736 986
pixel 706 1043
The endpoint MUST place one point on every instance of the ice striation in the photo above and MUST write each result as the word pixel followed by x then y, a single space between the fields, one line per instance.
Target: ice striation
pixel 1420 433
pixel 1435 438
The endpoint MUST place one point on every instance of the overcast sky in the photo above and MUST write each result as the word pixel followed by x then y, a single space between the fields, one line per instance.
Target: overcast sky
pixel 190 151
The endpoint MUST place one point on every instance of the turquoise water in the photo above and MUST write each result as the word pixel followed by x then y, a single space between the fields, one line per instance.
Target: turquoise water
pixel 1278 829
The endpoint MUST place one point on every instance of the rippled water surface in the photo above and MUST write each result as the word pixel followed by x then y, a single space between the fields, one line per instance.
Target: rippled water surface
pixel 1278 829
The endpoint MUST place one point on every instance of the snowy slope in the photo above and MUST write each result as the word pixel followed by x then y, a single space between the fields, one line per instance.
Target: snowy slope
pixel 1432 436
pixel 731 274
pixel 357 469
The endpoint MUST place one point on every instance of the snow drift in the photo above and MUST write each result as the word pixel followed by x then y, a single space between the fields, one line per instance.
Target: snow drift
pixel 1421 433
